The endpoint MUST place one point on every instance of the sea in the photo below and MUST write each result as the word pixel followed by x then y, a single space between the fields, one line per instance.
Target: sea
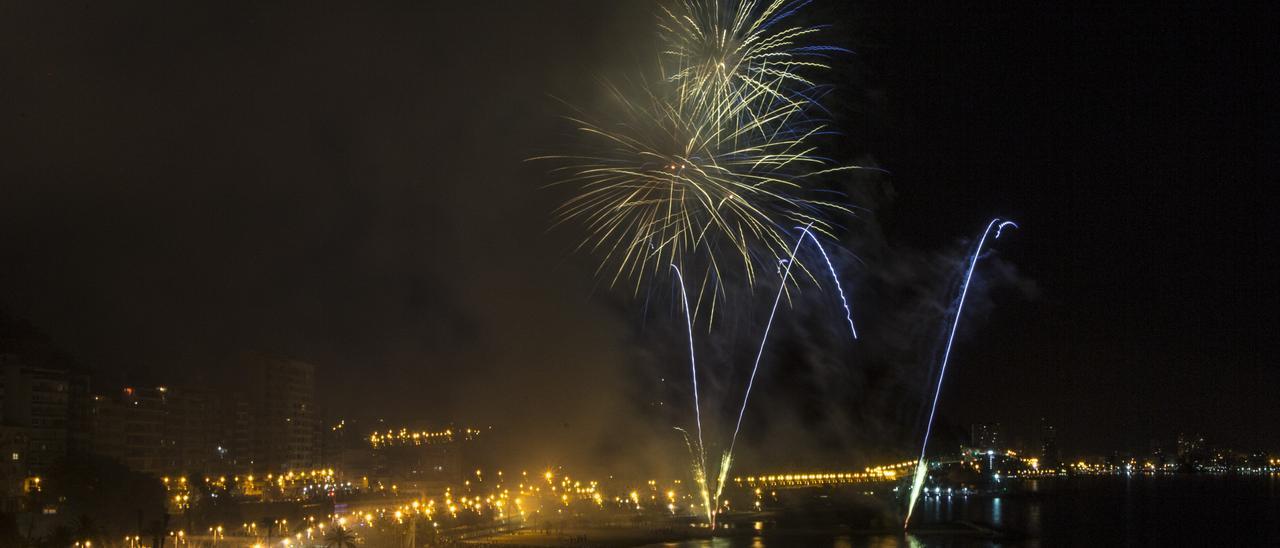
pixel 1137 510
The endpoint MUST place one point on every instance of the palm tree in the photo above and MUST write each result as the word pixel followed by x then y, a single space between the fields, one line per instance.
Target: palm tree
pixel 268 523
pixel 87 529
pixel 340 537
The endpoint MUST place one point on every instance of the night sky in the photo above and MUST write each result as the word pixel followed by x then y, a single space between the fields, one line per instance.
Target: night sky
pixel 347 185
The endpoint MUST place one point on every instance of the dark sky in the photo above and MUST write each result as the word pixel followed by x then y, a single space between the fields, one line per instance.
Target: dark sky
pixel 1127 142
pixel 345 184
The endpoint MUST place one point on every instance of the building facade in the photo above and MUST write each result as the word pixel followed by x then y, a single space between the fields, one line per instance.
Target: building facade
pixel 35 398
pixel 285 428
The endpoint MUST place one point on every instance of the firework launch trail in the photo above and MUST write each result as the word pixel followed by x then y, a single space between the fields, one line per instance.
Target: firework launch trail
pixel 922 467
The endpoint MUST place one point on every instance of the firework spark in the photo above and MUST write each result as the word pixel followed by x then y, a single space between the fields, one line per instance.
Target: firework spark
pixel 698 456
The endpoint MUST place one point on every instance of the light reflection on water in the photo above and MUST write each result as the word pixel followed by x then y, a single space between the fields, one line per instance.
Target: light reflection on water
pixel 842 541
pixel 1190 510
pixel 1033 519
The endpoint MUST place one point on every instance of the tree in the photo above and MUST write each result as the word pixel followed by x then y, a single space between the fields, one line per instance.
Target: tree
pixel 87 529
pixel 268 524
pixel 112 496
pixel 340 537
pixel 10 535
pixel 57 538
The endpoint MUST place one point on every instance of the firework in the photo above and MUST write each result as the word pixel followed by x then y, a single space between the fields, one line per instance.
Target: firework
pixel 661 187
pixel 726 53
pixel 704 166
pixel 917 480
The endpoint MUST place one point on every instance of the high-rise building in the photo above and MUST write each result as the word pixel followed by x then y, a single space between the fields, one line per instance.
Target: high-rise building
pixel 79 405
pixel 143 414
pixel 265 423
pixel 228 434
pixel 13 466
pixel 104 425
pixel 262 420
pixel 36 398
pixel 1192 449
pixel 191 429
pixel 171 430
pixel 1050 454
pixel 281 394
pixel 985 436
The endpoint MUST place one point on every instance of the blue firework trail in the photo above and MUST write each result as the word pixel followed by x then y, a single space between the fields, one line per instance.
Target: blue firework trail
pixel 765 338
pixel 848 313
pixel 921 466
pixel 700 470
